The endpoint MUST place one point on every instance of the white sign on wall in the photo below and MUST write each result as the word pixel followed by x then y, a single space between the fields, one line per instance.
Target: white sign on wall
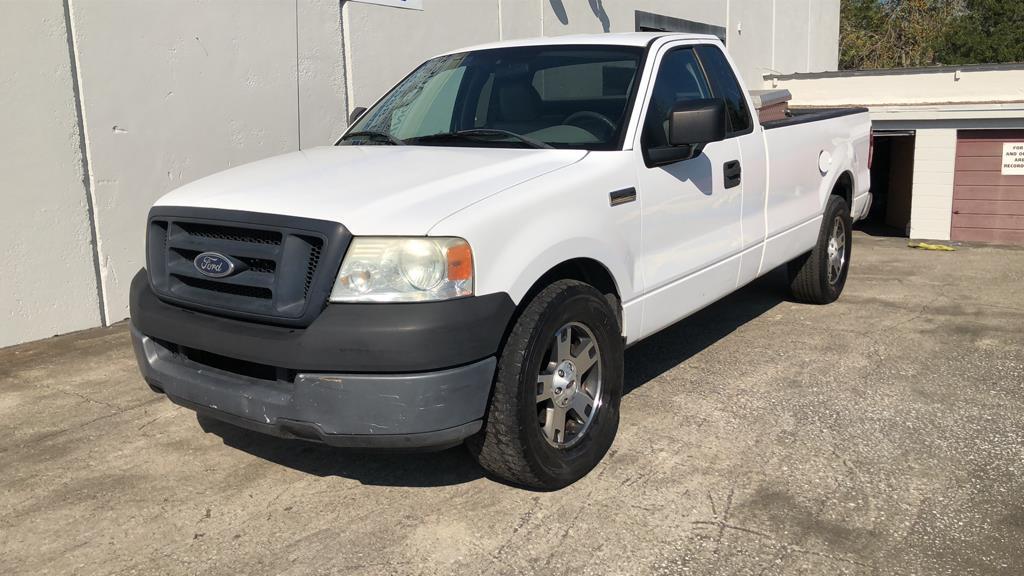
pixel 1013 158
pixel 410 4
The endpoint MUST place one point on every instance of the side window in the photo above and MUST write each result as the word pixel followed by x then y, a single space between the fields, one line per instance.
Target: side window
pixel 725 86
pixel 679 78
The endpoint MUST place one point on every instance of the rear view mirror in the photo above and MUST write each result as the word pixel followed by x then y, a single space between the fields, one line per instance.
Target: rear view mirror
pixel 691 125
pixel 356 113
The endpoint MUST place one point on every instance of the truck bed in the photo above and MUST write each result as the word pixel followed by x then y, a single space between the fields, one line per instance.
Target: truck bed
pixel 804 115
pixel 805 159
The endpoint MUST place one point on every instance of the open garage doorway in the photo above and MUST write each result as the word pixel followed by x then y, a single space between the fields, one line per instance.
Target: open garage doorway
pixel 892 180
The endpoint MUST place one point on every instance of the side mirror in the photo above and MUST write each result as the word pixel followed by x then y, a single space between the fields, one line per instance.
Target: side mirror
pixel 356 113
pixel 696 122
pixel 692 124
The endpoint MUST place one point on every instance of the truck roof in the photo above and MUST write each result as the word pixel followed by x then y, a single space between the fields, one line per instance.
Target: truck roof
pixel 617 39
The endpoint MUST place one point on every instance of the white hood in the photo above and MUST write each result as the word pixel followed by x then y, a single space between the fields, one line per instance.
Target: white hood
pixel 372 190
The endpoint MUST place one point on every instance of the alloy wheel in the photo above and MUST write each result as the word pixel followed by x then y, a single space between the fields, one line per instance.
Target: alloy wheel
pixel 836 251
pixel 569 386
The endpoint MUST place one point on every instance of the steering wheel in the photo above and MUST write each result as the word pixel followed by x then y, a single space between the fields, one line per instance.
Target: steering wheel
pixel 591 118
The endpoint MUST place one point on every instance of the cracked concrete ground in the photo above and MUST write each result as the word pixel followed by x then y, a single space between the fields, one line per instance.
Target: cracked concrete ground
pixel 883 434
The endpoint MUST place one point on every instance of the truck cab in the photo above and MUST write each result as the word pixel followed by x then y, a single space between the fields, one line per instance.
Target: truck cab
pixel 469 261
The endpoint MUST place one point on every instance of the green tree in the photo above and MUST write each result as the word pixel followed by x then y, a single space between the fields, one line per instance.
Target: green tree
pixel 985 31
pixel 894 33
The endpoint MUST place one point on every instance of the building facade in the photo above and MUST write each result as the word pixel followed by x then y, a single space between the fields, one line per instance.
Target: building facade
pixel 949 145
pixel 108 104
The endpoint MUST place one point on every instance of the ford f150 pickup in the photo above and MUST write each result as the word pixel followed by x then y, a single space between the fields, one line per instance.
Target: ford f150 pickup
pixel 470 260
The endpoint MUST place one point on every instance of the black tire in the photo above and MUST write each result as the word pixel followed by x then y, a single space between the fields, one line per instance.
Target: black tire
pixel 512 446
pixel 809 277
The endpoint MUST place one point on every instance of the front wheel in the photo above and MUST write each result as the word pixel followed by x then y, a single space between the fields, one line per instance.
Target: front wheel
pixel 555 407
pixel 819 276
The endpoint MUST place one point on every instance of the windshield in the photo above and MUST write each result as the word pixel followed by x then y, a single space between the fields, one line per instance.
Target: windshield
pixel 536 96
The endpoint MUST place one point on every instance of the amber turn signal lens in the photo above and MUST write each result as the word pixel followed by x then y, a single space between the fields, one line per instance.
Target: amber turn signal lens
pixel 460 262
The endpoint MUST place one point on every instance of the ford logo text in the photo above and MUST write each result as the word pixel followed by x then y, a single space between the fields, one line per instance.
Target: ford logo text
pixel 214 265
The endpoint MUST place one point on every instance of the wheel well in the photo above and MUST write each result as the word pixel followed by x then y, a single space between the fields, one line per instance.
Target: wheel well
pixel 585 270
pixel 844 188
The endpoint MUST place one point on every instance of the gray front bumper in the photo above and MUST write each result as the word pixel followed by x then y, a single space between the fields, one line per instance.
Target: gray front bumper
pixel 424 410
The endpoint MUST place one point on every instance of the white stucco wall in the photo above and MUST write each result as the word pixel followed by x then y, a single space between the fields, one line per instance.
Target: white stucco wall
pixel 793 28
pixel 48 283
pixel 383 44
pixel 750 40
pixel 822 37
pixel 174 91
pixel 588 17
pixel 321 75
pixel 519 18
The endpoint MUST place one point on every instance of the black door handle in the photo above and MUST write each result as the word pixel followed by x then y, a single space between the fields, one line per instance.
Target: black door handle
pixel 733 173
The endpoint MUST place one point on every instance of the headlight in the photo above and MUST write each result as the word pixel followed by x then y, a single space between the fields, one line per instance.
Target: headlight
pixel 389 269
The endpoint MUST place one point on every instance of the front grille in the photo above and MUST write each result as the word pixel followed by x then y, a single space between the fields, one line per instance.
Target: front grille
pixel 283 266
pixel 314 261
pixel 224 287
pixel 201 359
pixel 259 265
pixel 231 233
pixel 204 359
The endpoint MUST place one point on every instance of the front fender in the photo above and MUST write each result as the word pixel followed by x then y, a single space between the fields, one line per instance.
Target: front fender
pixel 520 234
pixel 533 267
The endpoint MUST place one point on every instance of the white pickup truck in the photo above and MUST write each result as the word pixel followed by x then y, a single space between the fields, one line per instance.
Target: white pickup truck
pixel 469 262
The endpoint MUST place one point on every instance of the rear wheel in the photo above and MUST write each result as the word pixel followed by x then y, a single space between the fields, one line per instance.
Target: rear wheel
pixel 818 277
pixel 555 407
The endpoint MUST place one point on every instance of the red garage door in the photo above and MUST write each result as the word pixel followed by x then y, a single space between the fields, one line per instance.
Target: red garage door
pixel 988 200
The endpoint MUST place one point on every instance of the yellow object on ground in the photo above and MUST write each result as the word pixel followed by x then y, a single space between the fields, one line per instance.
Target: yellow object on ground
pixel 938 247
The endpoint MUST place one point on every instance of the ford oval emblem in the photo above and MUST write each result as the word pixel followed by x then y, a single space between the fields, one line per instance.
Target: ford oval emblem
pixel 214 265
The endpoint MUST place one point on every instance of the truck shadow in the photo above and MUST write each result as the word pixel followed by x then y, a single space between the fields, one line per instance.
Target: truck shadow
pixel 678 343
pixel 644 362
pixel 415 469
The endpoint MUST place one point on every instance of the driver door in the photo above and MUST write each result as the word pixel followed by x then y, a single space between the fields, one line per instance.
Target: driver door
pixel 691 220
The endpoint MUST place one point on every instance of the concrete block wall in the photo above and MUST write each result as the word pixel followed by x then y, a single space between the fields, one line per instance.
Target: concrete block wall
pixel 931 211
pixel 109 104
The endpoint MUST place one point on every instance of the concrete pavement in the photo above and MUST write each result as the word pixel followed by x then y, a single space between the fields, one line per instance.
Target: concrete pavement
pixel 883 434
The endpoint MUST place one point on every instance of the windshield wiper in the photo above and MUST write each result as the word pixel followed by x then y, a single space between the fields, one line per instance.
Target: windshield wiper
pixel 371 134
pixel 476 133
